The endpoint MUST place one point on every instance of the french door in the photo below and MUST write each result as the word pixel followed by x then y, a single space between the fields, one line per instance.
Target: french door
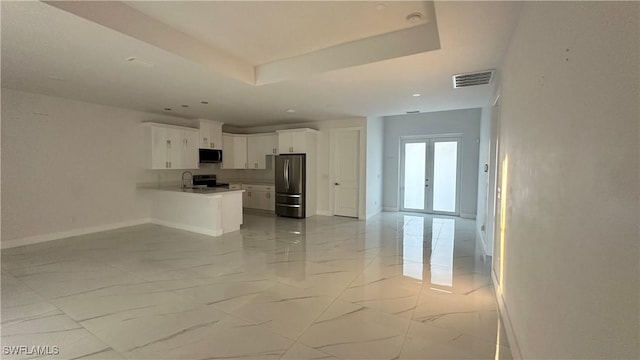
pixel 430 175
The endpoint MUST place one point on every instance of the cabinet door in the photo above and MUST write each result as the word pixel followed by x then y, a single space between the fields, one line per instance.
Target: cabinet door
pixel 284 143
pixel 159 149
pixel 240 152
pixel 245 199
pixel 205 135
pixel 253 151
pixel 256 156
pixel 251 200
pixel 299 142
pixel 271 198
pixel 216 135
pixel 227 152
pixel 174 148
pixel 189 150
pixel 271 144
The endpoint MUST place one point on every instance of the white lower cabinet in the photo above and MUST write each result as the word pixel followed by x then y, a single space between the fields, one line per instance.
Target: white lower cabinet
pixel 260 197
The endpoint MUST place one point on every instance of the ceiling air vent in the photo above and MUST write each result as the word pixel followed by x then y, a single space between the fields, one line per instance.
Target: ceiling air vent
pixel 472 79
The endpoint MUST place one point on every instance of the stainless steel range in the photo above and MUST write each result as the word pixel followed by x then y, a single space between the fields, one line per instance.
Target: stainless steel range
pixel 208 181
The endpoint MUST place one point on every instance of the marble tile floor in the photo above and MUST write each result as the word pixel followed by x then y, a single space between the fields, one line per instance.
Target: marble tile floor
pixel 398 286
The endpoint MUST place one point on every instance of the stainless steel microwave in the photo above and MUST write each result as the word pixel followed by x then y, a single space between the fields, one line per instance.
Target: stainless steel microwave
pixel 210 156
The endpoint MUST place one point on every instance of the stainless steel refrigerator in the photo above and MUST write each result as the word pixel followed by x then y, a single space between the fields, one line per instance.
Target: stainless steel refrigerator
pixel 290 185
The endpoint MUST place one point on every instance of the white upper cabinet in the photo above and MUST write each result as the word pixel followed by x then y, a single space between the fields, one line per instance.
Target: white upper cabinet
pixel 258 147
pixel 271 143
pixel 294 141
pixel 240 152
pixel 234 151
pixel 210 134
pixel 190 157
pixel 171 147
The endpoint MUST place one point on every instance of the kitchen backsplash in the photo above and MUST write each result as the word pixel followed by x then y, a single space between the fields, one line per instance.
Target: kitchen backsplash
pixel 225 175
pixel 174 177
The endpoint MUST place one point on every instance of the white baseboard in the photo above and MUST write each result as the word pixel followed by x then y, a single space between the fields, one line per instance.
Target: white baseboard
pixel 6 244
pixel 323 213
pixel 391 209
pixel 467 216
pixel 506 320
pixel 483 242
pixel 190 228
pixel 374 213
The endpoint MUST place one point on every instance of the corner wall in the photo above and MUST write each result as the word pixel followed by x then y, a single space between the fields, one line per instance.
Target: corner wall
pixel 485 216
pixel 570 130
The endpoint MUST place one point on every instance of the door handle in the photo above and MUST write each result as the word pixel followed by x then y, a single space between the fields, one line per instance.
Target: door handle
pixel 336 184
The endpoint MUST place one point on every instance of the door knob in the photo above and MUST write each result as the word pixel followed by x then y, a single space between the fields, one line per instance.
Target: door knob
pixel 336 184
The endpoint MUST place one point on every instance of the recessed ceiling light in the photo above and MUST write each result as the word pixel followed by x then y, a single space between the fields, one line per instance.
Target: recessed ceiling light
pixel 167 109
pixel 414 17
pixel 185 106
pixel 416 95
pixel 290 111
pixel 204 102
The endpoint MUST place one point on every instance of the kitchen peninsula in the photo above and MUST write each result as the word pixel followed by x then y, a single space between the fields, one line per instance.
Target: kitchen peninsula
pixel 208 211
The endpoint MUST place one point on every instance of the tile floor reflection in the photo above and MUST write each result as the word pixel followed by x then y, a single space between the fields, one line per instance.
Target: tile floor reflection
pixel 399 286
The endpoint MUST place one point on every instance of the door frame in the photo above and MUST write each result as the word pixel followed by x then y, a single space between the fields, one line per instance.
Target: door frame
pixel 333 156
pixel 428 201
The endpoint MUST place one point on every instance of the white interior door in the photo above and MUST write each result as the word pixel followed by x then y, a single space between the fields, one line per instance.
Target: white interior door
pixel 430 175
pixel 346 169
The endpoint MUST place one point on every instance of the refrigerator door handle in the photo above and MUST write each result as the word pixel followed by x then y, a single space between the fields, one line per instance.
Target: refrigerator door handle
pixel 286 174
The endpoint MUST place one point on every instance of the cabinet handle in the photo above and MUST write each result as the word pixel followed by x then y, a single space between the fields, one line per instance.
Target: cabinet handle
pixel 249 194
pixel 290 148
pixel 205 140
pixel 213 145
pixel 166 164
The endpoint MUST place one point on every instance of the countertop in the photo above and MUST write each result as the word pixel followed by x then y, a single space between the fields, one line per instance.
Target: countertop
pixel 206 191
pixel 245 182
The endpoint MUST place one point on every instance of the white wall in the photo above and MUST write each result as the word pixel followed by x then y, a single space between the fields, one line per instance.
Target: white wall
pixel 375 156
pixel 484 218
pixel 69 165
pixel 466 122
pixel 569 126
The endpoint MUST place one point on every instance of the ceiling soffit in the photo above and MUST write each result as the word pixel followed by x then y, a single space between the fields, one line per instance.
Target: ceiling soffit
pixel 120 17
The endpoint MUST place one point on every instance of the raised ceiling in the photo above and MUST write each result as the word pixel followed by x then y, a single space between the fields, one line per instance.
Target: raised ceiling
pixel 261 32
pixel 183 60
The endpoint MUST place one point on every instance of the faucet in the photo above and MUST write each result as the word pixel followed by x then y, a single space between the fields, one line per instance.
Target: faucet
pixel 190 179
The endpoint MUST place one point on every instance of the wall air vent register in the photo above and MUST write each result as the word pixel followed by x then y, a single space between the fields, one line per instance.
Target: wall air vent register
pixel 472 79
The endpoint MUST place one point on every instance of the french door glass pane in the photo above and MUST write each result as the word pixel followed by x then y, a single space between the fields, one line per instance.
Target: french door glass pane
pixel 414 175
pixel 445 167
